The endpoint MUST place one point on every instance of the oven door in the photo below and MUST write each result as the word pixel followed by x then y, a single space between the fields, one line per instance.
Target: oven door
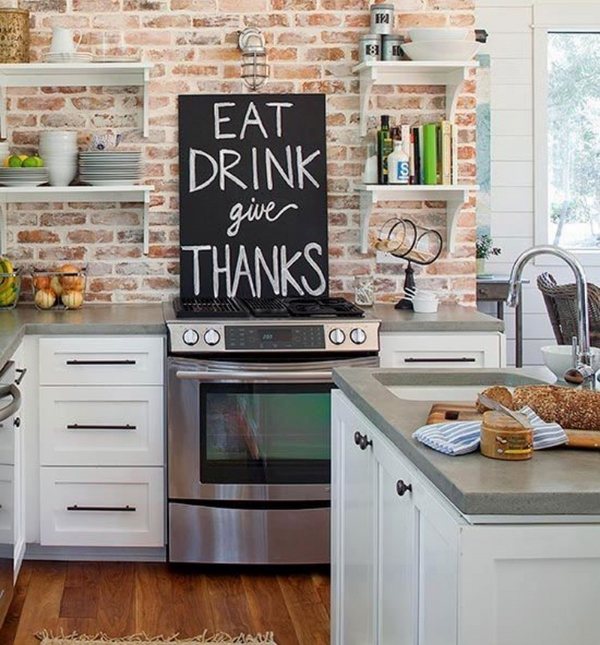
pixel 244 431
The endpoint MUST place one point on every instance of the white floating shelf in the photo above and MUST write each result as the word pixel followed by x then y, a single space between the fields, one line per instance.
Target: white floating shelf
pixel 45 194
pixel 409 72
pixel 73 74
pixel 455 196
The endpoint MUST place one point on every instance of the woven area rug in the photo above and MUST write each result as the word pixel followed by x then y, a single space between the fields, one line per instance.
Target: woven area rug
pixel 47 638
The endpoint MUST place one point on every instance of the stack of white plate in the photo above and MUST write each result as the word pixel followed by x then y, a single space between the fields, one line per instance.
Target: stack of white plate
pixel 440 44
pixel 23 176
pixel 110 168
pixel 67 57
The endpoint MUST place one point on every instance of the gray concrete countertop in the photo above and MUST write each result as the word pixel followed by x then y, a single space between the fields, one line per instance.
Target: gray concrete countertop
pixel 90 319
pixel 554 482
pixel 449 318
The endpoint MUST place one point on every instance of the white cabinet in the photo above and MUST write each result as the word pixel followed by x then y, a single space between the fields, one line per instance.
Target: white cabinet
pixel 100 426
pixel 405 591
pixel 409 569
pixel 354 516
pixel 101 360
pixel 102 506
pixel 20 457
pixel 397 550
pixel 443 349
pixel 101 422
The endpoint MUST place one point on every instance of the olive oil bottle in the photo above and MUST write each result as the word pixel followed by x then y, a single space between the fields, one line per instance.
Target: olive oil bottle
pixel 385 146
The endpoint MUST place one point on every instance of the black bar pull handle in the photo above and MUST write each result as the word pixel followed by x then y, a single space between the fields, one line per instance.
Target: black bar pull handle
pixel 120 509
pixel 125 361
pixel 78 426
pixel 462 359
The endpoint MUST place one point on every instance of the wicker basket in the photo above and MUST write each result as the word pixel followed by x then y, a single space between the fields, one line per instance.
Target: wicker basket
pixel 14 36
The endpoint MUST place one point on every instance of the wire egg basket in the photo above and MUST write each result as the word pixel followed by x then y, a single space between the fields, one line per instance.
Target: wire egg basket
pixel 403 238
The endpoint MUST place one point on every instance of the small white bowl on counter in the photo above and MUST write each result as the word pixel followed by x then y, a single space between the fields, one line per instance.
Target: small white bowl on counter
pixel 425 302
pixel 558 359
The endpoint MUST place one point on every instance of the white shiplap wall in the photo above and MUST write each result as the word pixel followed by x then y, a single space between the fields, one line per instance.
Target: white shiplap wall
pixel 510 45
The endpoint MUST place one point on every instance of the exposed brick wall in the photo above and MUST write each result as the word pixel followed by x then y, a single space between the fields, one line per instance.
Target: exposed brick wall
pixel 312 46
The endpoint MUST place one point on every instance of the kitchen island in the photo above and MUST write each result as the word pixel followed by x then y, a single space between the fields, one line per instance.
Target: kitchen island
pixel 463 550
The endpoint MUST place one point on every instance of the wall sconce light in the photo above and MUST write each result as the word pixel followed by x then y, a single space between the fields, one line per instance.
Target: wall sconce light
pixel 255 70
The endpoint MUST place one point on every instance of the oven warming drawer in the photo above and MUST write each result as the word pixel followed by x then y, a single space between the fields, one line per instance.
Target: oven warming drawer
pixel 218 535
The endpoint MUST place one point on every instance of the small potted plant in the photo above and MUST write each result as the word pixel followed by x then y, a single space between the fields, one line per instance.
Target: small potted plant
pixel 484 248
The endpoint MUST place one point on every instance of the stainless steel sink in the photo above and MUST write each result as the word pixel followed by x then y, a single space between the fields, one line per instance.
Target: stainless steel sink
pixel 448 385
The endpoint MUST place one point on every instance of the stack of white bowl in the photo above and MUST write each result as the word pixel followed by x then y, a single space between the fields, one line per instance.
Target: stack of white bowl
pixel 441 44
pixel 58 149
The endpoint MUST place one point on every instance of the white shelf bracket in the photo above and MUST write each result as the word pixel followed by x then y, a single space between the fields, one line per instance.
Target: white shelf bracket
pixel 367 200
pixel 366 85
pixel 454 207
pixel 145 105
pixel 146 223
pixel 3 107
pixel 454 87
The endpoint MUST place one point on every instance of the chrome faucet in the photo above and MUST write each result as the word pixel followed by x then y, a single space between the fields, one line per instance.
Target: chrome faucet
pixel 581 372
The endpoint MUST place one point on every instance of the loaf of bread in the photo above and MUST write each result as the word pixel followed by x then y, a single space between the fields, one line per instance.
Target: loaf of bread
pixel 572 409
pixel 497 393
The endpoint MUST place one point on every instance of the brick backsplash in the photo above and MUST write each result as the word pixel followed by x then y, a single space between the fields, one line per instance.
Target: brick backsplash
pixel 312 46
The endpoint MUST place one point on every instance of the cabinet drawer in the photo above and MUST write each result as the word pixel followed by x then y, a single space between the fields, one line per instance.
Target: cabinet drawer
pixel 442 350
pixel 101 360
pixel 100 426
pixel 102 506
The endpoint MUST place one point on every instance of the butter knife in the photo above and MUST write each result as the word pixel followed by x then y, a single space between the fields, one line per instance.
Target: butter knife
pixel 494 405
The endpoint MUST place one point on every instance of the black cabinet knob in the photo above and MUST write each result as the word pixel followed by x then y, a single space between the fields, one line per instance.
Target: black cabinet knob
pixel 402 488
pixel 365 442
pixel 17 422
pixel 357 438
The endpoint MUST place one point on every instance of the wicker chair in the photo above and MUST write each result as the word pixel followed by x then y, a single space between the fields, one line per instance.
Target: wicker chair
pixel 561 303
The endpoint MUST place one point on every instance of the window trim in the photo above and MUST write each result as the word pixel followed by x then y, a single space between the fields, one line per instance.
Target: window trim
pixel 583 17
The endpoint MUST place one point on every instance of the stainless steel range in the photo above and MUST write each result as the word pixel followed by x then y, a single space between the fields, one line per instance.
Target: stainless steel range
pixel 249 388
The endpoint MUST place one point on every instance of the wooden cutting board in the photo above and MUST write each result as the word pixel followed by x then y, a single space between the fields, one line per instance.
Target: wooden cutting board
pixel 441 412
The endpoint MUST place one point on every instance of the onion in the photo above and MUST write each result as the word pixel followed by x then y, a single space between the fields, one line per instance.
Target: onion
pixel 72 299
pixel 45 298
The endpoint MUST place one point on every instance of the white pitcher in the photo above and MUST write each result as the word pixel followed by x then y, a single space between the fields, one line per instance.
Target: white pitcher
pixel 63 42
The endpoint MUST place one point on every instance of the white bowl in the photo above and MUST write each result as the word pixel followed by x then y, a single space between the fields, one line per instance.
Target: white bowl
pixel 424 305
pixel 61 174
pixel 438 33
pixel 442 50
pixel 557 359
pixel 59 156
pixel 70 135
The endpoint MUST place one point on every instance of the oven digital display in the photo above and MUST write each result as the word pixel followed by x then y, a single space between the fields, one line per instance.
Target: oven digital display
pixel 241 338
pixel 275 335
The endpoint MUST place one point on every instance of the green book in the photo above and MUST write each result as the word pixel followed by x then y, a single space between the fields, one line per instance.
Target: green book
pixel 430 154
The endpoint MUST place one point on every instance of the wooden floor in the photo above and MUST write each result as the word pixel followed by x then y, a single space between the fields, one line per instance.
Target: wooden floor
pixel 125 598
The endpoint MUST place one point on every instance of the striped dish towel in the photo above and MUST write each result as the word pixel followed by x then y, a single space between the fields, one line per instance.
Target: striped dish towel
pixel 461 437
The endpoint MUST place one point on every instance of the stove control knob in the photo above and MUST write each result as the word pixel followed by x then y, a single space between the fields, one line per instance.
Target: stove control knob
pixel 212 337
pixel 337 336
pixel 190 337
pixel 358 336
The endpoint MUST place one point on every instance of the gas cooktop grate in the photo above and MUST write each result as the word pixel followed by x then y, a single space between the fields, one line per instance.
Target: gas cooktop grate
pixel 323 308
pixel 267 307
pixel 209 308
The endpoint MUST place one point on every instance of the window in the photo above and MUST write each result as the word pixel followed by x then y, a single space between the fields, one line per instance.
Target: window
pixel 567 128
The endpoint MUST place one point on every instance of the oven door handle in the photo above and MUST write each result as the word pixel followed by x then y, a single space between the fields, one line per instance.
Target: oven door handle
pixel 255 377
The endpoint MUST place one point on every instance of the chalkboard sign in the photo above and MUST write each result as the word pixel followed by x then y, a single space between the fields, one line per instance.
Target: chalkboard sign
pixel 253 195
